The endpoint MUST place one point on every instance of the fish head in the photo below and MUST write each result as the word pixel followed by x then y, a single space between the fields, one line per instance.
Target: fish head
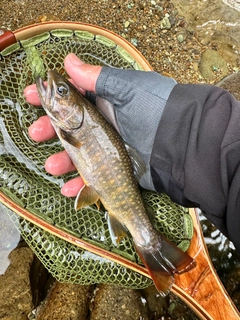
pixel 60 99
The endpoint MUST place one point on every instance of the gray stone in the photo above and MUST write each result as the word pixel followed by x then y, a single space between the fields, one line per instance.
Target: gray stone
pixel 165 23
pixel 212 61
pixel 232 84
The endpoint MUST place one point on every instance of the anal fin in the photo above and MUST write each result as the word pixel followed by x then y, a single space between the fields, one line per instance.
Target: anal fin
pixel 116 229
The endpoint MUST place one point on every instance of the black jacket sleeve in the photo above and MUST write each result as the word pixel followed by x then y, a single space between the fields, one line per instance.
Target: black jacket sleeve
pixel 196 154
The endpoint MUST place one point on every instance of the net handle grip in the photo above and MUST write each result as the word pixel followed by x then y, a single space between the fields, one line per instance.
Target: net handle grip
pixel 7 38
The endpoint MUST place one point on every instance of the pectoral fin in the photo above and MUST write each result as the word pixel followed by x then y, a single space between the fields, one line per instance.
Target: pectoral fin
pixel 70 139
pixel 86 197
pixel 116 229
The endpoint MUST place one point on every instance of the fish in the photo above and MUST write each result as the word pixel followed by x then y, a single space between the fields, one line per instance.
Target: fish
pixel 103 162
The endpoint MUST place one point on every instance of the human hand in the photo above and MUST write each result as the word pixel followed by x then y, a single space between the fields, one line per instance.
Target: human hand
pixel 138 98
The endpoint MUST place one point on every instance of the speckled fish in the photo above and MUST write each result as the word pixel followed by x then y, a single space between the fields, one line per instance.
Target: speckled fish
pixel 101 158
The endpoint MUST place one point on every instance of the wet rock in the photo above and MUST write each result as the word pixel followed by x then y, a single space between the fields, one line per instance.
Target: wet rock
pixel 232 280
pixel 157 305
pixel 41 281
pixel 236 299
pixel 232 283
pixel 212 61
pixel 230 56
pixel 66 301
pixel 15 288
pixel 231 83
pixel 179 310
pixel 112 303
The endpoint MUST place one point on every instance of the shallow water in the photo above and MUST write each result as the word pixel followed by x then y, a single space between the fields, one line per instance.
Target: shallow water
pixel 235 4
pixel 215 23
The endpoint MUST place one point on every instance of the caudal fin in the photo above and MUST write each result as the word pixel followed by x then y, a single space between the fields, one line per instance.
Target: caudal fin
pixel 162 260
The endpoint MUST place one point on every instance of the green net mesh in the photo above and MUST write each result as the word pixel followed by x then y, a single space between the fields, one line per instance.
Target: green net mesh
pixel 24 179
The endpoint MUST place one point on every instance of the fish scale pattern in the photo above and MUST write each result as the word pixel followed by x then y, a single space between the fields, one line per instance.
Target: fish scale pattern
pixel 24 180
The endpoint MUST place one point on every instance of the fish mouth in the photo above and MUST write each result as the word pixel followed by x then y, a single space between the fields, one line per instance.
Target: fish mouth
pixel 46 89
pixel 41 87
pixel 45 92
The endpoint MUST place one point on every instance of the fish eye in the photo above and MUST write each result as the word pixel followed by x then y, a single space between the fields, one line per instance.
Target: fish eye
pixel 62 89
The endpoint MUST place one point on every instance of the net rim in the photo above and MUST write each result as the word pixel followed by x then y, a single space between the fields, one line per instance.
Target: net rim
pixel 39 28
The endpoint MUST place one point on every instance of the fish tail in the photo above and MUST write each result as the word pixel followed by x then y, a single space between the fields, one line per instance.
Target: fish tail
pixel 162 260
